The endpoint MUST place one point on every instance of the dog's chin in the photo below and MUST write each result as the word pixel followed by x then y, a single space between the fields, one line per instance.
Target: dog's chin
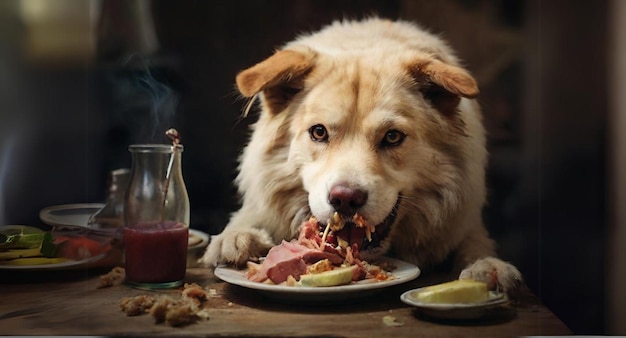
pixel 369 250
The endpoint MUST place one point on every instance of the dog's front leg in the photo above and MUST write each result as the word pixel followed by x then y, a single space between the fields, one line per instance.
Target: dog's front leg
pixel 240 241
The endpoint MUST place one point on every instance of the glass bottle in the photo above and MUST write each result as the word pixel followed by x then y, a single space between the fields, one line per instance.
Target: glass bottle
pixel 111 216
pixel 156 218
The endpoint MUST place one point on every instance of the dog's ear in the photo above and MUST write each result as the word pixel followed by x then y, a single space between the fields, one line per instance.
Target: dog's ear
pixel 279 77
pixel 443 84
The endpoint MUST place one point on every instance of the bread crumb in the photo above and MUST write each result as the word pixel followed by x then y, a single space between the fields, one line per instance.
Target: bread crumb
pixel 114 277
pixel 134 306
pixel 391 321
pixel 159 309
pixel 188 309
pixel 194 293
pixel 213 293
pixel 181 313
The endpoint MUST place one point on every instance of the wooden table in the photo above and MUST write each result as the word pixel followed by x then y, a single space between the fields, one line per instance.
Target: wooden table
pixel 68 303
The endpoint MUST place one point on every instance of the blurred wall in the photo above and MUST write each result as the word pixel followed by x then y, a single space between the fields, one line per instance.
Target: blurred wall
pixel 616 253
pixel 563 189
pixel 69 117
pixel 49 130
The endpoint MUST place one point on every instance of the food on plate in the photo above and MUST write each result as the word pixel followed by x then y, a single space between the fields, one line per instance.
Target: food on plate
pixel 72 247
pixel 19 242
pixel 35 261
pixel 463 291
pixel 338 276
pixel 19 253
pixel 25 245
pixel 188 309
pixel 317 258
pixel 20 237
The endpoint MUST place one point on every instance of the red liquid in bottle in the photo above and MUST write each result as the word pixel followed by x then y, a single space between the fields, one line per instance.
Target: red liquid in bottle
pixel 156 252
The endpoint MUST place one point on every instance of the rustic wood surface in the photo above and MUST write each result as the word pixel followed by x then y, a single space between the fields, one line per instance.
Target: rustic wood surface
pixel 68 303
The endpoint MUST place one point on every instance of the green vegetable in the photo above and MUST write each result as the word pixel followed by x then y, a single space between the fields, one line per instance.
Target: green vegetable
pixel 48 247
pixel 20 237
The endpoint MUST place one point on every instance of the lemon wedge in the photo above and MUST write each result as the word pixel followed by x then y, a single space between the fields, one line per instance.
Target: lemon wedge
pixel 459 291
pixel 338 276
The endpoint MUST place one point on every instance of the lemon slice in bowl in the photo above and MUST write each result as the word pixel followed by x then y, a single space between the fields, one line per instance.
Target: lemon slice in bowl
pixel 459 291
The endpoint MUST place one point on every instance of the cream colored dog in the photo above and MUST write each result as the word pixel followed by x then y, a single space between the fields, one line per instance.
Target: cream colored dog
pixel 371 117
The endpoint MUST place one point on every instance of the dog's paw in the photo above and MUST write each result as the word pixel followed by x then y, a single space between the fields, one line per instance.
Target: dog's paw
pixel 498 275
pixel 236 247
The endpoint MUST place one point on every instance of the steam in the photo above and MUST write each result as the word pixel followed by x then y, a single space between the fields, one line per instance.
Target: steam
pixel 163 103
pixel 147 105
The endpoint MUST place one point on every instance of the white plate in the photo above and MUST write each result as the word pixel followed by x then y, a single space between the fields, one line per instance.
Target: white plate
pixel 194 252
pixel 69 214
pixel 204 239
pixel 455 310
pixel 404 272
pixel 73 216
pixel 67 265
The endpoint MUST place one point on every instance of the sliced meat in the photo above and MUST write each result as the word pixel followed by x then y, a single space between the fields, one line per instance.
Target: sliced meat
pixel 359 273
pixel 286 259
pixel 283 269
pixel 316 256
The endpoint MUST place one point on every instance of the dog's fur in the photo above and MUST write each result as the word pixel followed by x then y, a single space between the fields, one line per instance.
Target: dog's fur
pixel 399 126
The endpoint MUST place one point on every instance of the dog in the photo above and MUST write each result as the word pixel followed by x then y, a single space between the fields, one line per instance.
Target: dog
pixel 374 117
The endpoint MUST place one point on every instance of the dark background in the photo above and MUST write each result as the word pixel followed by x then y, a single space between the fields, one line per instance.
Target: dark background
pixel 66 122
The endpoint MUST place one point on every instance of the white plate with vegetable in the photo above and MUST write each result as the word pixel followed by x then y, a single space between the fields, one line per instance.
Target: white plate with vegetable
pixel 455 300
pixel 403 273
pixel 21 249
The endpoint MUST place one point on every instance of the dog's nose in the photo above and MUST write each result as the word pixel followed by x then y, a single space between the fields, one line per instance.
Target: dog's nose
pixel 346 200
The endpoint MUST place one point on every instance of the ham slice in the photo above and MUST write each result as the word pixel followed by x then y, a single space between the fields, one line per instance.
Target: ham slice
pixel 290 259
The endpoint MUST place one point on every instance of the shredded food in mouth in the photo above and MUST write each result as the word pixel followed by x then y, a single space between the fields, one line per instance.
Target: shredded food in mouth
pixel 360 222
pixel 316 252
pixel 336 223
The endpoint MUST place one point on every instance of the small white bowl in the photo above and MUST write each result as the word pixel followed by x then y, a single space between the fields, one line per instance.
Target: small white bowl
pixel 198 241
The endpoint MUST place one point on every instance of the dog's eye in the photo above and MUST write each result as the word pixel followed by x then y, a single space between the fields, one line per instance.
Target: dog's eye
pixel 393 138
pixel 318 133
